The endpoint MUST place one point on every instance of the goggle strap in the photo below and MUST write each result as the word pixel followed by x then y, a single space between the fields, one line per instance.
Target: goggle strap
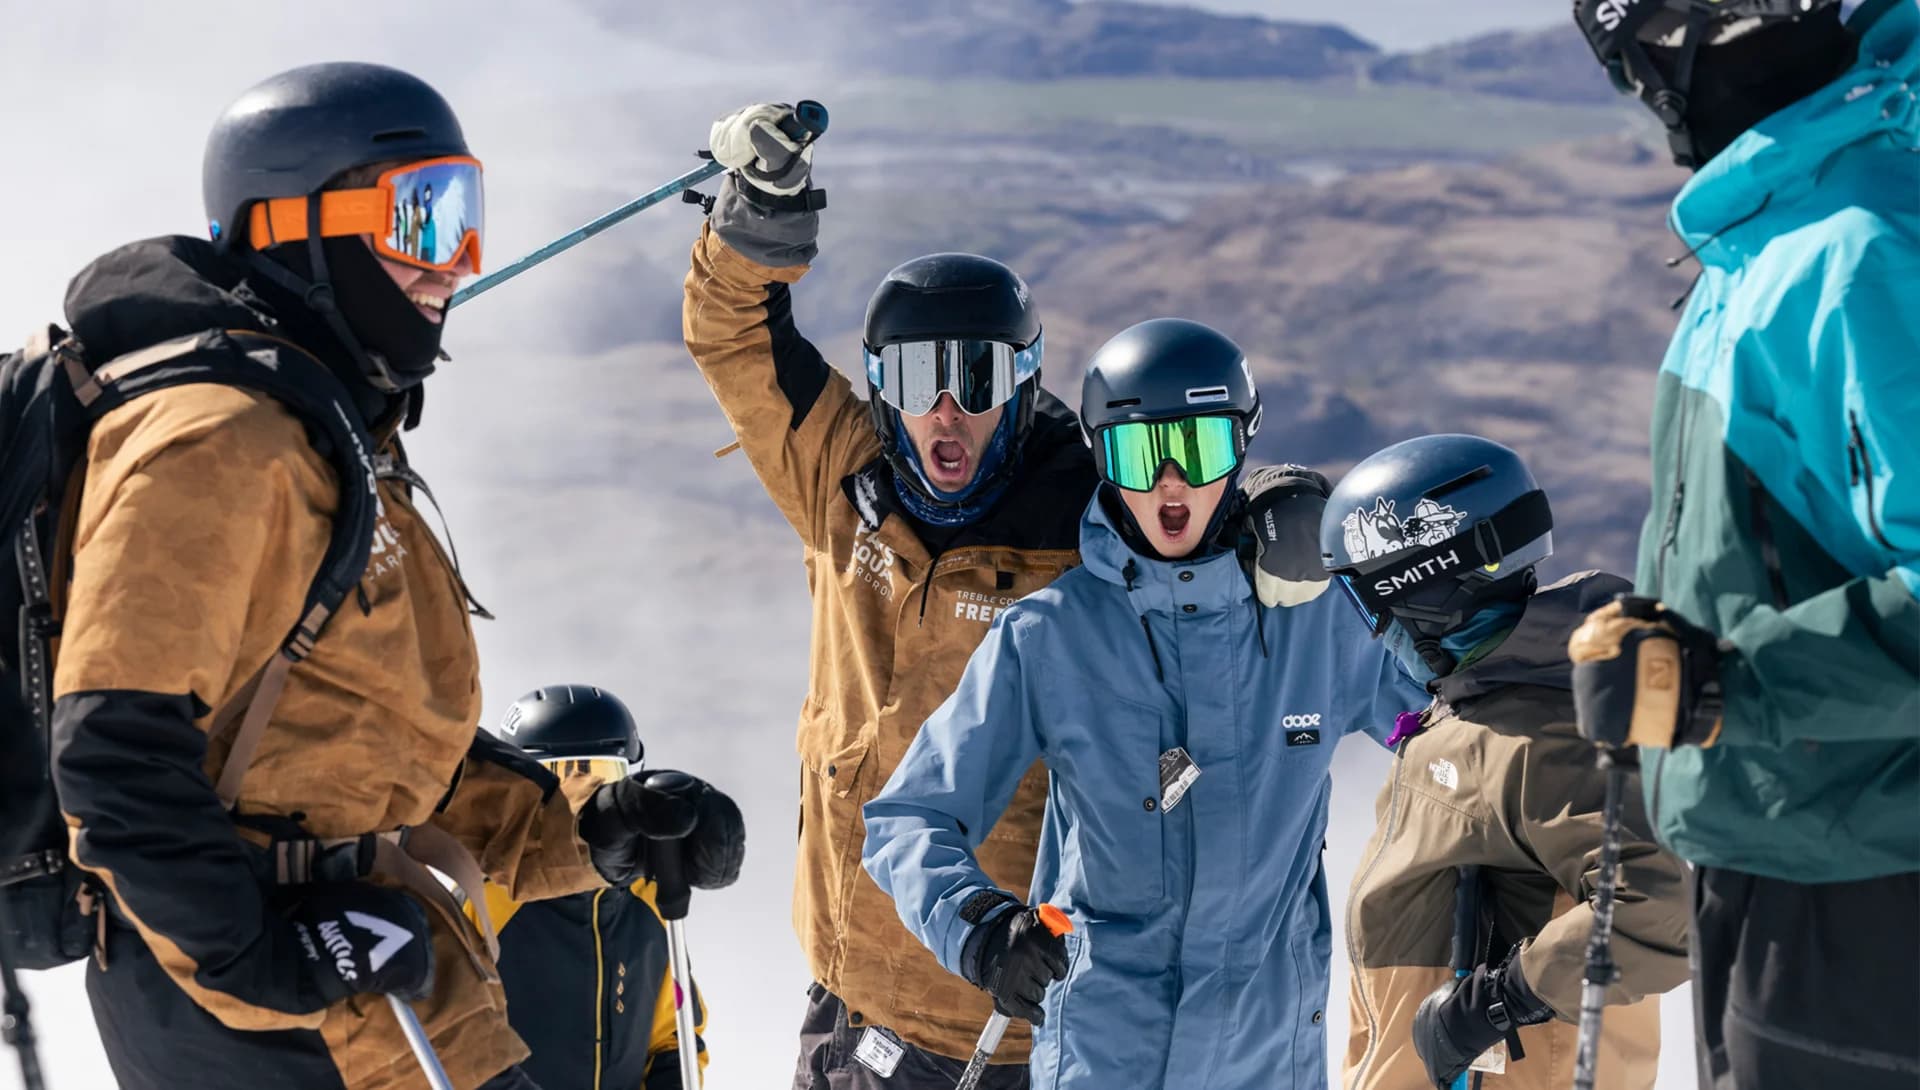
pixel 342 212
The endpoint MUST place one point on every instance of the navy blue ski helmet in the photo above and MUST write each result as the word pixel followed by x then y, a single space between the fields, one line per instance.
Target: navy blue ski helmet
pixel 1426 529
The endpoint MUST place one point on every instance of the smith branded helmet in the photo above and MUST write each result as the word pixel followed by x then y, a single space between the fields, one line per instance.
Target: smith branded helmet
pixel 1688 60
pixel 1426 531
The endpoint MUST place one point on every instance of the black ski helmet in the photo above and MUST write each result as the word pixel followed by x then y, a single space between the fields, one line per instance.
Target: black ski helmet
pixel 1164 369
pixel 1428 530
pixel 1674 54
pixel 572 721
pixel 951 296
pixel 293 134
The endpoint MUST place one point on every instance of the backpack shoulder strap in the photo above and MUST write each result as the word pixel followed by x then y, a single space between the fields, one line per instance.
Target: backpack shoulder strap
pixel 295 378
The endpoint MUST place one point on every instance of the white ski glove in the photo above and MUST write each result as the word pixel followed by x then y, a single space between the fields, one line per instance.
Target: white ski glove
pixel 1282 516
pixel 755 141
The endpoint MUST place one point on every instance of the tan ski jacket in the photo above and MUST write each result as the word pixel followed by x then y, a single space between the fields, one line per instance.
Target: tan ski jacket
pixel 1499 778
pixel 894 622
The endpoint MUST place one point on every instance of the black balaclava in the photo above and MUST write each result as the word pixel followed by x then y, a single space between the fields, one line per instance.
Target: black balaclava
pixel 380 316
pixel 378 313
pixel 1739 83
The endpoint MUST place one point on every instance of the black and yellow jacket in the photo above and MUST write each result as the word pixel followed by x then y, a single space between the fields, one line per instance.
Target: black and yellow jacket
pixel 590 989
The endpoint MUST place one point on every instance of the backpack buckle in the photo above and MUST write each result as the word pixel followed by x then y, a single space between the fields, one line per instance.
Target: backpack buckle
pixel 23 868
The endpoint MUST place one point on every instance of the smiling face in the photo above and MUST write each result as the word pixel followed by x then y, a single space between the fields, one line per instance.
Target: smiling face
pixel 950 442
pixel 426 289
pixel 1175 513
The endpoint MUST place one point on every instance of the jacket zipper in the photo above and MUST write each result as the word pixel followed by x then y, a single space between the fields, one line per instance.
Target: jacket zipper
pixel 599 992
pixel 1670 535
pixel 1353 951
pixel 1861 467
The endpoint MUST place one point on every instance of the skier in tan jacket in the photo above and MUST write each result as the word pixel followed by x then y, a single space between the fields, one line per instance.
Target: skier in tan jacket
pixel 1492 817
pixel 952 490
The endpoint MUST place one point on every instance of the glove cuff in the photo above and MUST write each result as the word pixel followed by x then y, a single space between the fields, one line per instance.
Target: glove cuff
pixel 1515 1004
pixel 984 911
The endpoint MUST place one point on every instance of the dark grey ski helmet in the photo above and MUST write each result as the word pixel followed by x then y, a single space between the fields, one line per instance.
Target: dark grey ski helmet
pixel 1164 369
pixel 960 297
pixel 290 135
pixel 1427 530
pixel 572 721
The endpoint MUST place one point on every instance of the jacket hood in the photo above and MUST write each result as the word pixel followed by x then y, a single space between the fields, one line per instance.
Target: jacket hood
pixel 155 290
pixel 1217 581
pixel 1535 652
pixel 175 286
pixel 1783 157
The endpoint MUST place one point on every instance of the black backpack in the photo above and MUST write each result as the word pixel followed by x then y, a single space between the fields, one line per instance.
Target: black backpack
pixel 51 394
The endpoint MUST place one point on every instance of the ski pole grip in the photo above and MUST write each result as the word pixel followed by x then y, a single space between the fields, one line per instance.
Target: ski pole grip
pixel 1055 920
pixel 671 894
pixel 812 115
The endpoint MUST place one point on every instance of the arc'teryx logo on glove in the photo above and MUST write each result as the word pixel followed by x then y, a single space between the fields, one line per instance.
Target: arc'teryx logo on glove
pixel 393 938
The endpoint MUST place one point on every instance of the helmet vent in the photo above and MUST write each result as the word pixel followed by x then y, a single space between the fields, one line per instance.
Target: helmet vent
pixel 399 134
pixel 1462 481
pixel 1123 403
pixel 1208 395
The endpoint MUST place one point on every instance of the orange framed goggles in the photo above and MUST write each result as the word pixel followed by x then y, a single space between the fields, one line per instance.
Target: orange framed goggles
pixel 429 214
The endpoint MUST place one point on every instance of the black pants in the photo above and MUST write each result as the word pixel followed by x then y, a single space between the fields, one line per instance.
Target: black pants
pixel 827 1061
pixel 157 1038
pixel 1806 986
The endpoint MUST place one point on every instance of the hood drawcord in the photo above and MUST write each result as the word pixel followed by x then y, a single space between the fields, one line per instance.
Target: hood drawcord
pixel 1129 573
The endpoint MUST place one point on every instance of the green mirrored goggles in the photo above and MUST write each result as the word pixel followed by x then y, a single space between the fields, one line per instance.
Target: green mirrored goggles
pixel 1204 448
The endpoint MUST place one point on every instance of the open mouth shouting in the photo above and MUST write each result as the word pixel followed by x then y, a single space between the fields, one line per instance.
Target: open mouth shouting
pixel 1174 521
pixel 951 466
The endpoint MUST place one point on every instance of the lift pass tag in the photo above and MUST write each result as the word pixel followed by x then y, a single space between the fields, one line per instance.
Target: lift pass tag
pixel 1493 1061
pixel 878 1052
pixel 1177 773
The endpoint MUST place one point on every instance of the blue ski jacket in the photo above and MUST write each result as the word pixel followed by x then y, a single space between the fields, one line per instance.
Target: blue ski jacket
pixel 1786 480
pixel 1201 932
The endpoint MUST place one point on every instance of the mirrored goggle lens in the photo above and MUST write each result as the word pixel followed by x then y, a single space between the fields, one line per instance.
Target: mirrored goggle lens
pixel 979 374
pixel 436 213
pixel 1202 446
pixel 604 769
pixel 1376 620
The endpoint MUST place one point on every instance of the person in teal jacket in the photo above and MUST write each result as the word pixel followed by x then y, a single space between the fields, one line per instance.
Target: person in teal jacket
pixel 1187 729
pixel 1770 670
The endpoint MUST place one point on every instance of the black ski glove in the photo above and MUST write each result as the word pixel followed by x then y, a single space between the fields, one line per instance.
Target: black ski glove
pixel 1281 534
pixel 362 939
pixel 1467 1016
pixel 1645 676
pixel 623 818
pixel 1013 957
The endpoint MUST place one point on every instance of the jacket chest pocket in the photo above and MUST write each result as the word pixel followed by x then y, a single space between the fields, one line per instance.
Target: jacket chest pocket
pixel 1106 802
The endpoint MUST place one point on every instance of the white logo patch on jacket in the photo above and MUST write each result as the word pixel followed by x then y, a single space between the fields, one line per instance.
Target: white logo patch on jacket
pixel 1445 774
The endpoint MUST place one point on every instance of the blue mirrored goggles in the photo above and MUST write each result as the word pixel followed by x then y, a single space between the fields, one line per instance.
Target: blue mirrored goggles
pixel 1376 619
pixel 980 375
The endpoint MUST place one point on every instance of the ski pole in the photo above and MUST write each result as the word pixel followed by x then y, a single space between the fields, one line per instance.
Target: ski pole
pixel 996 1027
pixel 672 897
pixel 422 1048
pixel 1466 935
pixel 1601 971
pixel 15 1027
pixel 813 123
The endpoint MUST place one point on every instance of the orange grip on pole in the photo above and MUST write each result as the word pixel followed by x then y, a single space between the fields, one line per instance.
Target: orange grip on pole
pixel 1055 920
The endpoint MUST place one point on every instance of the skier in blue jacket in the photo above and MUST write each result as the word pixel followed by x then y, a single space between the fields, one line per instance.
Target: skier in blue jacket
pixel 1780 563
pixel 1187 729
